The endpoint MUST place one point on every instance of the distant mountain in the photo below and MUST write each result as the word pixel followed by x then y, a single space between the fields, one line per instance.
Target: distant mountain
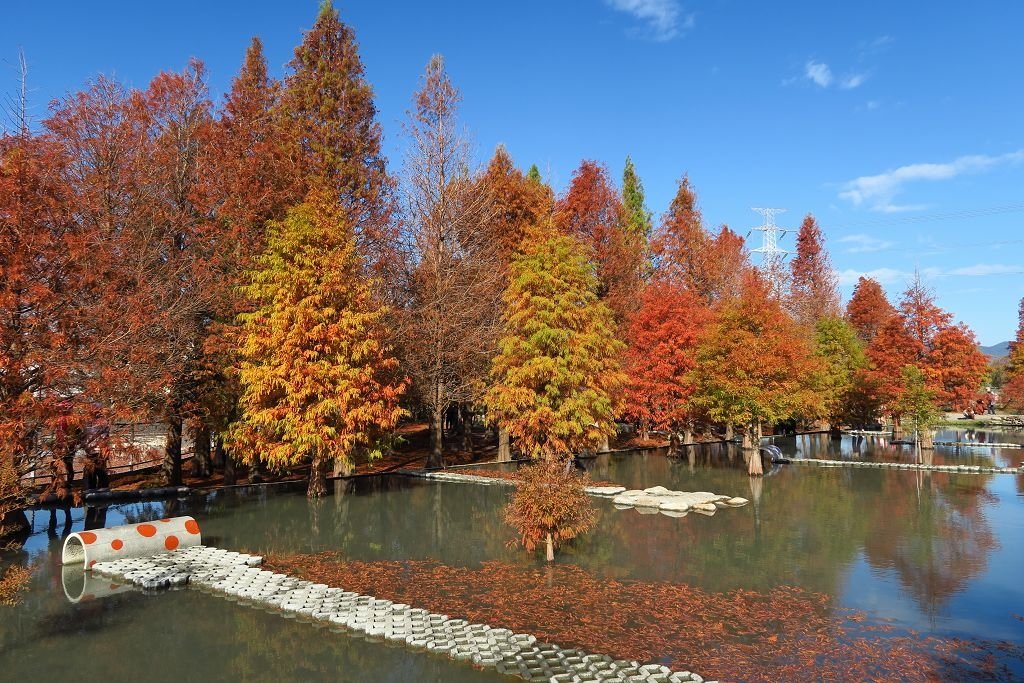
pixel 1000 350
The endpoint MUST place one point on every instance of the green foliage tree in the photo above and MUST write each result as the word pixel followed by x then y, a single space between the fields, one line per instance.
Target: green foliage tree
pixel 638 217
pixel 841 357
pixel 318 382
pixel 557 377
pixel 917 404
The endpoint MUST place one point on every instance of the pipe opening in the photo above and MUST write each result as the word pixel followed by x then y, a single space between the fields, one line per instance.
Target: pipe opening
pixel 74 551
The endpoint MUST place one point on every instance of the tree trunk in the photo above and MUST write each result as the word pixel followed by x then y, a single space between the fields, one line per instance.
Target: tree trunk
pixel 217 461
pixel 201 455
pixel 754 467
pixel 467 429
pixel 228 458
pixel 645 431
pixel 688 433
pixel 504 449
pixel 172 453
pixel 728 432
pixel 673 443
pixel 748 438
pixel 342 467
pixel 317 478
pixel 927 439
pixel 550 546
pixel 604 447
pixel 434 459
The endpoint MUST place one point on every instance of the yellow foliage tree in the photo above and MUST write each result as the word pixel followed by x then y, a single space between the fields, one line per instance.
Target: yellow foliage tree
pixel 318 381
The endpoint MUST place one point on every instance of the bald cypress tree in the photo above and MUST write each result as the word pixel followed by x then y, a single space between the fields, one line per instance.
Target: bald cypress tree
pixel 318 380
pixel 813 294
pixel 557 378
pixel 638 218
pixel 329 121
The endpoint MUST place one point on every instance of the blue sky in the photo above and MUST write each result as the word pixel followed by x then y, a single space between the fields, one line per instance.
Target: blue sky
pixel 899 125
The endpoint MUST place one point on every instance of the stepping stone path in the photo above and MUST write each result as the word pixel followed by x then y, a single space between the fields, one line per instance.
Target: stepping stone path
pixel 963 469
pixel 238 577
pixel 674 503
pixel 650 501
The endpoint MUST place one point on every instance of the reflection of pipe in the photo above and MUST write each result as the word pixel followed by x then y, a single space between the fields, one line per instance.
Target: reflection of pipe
pixel 82 586
pixel 131 540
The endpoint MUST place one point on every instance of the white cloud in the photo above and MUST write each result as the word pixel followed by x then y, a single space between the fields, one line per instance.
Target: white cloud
pixel 878 191
pixel 891 276
pixel 873 104
pixel 664 18
pixel 885 276
pixel 862 244
pixel 871 47
pixel 983 269
pixel 853 81
pixel 818 72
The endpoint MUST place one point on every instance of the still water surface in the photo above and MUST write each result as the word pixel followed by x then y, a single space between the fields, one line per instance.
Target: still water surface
pixel 938 553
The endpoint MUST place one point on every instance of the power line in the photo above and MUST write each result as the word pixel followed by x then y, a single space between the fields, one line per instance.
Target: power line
pixel 980 212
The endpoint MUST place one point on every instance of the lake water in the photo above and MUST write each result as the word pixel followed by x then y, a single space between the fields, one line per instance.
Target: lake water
pixel 931 553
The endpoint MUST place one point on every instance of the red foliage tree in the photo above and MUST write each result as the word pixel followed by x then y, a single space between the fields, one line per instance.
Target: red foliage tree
pixel 663 337
pixel 956 366
pixel 890 350
pixel 922 317
pixel 710 266
pixel 868 308
pixel 1013 390
pixel 813 292
pixel 329 124
pixel 592 211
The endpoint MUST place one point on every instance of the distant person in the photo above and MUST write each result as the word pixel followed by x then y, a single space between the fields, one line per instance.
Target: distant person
pixel 990 402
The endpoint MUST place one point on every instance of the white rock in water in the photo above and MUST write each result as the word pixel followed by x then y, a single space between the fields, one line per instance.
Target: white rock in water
pixel 605 490
pixel 672 513
pixel 674 506
pixel 625 499
pixel 633 492
pixel 657 491
pixel 706 507
pixel 647 510
pixel 737 501
pixel 647 501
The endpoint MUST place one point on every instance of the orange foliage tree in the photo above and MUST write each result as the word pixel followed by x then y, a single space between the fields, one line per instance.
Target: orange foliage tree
pixel 710 266
pixel 956 366
pixel 549 506
pixel 753 365
pixel 318 380
pixel 663 336
pixel 517 202
pixel 891 349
